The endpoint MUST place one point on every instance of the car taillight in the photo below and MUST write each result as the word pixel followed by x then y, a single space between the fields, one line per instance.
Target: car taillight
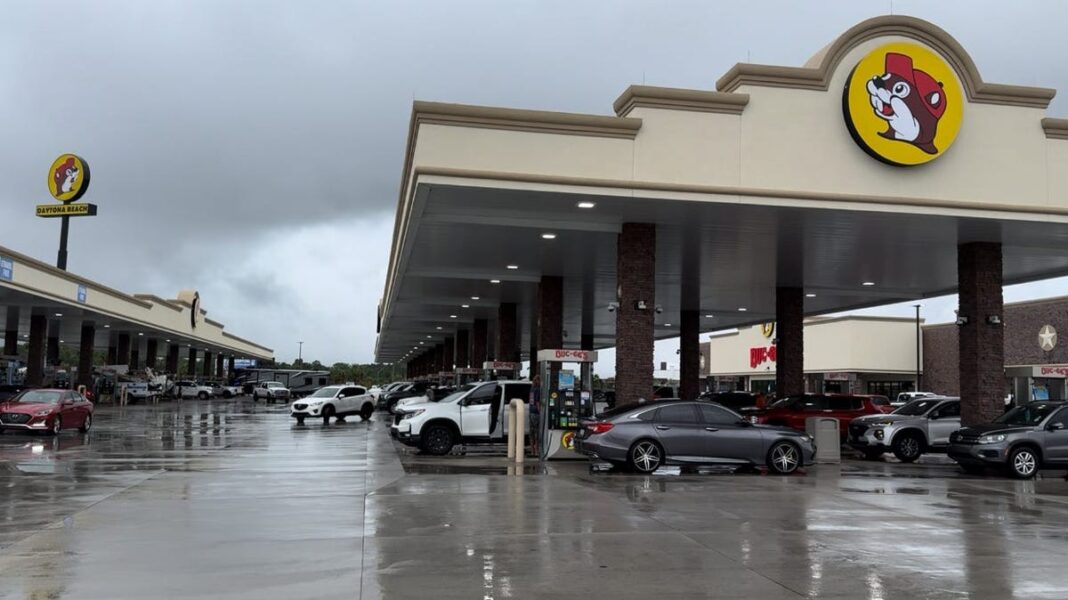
pixel 599 427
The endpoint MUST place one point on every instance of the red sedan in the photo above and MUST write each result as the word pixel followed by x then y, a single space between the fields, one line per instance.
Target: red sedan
pixel 47 410
pixel 793 410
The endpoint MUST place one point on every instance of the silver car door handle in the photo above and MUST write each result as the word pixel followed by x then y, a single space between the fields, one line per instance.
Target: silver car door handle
pixel 711 429
pixel 662 427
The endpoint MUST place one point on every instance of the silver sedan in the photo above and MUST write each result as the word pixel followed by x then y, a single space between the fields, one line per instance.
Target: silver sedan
pixel 646 436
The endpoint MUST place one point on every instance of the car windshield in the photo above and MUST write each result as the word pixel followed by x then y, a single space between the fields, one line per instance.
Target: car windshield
pixel 916 408
pixel 39 397
pixel 1029 414
pixel 326 392
pixel 274 384
pixel 453 397
pixel 786 403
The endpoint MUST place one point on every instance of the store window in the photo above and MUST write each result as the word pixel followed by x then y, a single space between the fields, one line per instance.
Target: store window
pixel 890 389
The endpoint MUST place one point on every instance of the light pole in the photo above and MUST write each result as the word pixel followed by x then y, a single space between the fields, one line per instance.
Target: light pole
pixel 300 352
pixel 918 386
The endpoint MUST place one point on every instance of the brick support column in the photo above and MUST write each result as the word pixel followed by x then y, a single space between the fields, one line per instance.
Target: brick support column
pixel 172 359
pixel 478 342
pixel 151 353
pixel 230 366
pixel 636 279
pixel 135 355
pixel 689 354
pixel 209 366
pixel 550 313
pixel 450 357
pixel 463 349
pixel 85 355
pixel 123 356
pixel 982 344
pixel 220 366
pixel 191 367
pixel 53 342
pixel 35 360
pixel 586 343
pixel 507 342
pixel 11 331
pixel 790 348
pixel 533 343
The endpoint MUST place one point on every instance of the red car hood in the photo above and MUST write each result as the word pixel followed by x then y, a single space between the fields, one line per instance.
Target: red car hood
pixel 23 407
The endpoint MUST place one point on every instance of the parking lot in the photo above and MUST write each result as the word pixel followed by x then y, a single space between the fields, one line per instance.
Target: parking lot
pixel 228 499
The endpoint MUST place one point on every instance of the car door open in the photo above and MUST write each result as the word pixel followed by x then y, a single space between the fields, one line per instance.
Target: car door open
pixel 475 411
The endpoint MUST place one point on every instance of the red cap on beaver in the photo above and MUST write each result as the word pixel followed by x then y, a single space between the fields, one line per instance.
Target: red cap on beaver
pixel 934 99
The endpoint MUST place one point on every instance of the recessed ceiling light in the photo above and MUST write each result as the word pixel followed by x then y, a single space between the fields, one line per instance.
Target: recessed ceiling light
pixel 512 267
pixel 868 283
pixel 429 336
pixel 107 326
pixel 166 340
pixel 495 280
pixel 548 236
pixel 465 306
pixel 474 297
pixel 710 316
pixel 667 324
pixel 586 204
pixel 59 314
pixel 452 316
pixel 742 309
pixel 420 343
pixel 810 295
pixel 62 342
pixel 439 328
pixel 139 333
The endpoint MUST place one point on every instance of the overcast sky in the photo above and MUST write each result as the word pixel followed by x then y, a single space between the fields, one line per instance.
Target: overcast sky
pixel 252 150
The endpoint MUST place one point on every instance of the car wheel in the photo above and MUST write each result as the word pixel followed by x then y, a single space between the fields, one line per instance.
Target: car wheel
pixel 87 424
pixel 873 454
pixel 907 447
pixel 57 426
pixel 328 411
pixel 300 420
pixel 645 456
pixel 202 395
pixel 366 411
pixel 438 440
pixel 1023 463
pixel 783 458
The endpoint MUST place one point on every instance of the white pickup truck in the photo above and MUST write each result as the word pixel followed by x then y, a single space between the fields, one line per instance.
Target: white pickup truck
pixel 270 391
pixel 475 414
pixel 191 389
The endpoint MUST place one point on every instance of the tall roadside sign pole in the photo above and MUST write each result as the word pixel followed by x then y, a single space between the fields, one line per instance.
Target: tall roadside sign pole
pixel 68 180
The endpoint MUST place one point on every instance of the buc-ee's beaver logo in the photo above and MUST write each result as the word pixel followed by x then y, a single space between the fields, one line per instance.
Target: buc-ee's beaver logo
pixel 68 178
pixel 903 104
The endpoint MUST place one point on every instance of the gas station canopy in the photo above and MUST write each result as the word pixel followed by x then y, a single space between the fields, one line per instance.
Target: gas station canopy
pixel 761 184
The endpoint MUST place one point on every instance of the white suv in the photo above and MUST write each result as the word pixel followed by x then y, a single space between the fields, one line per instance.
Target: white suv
pixel 191 389
pixel 475 413
pixel 334 401
pixel 271 391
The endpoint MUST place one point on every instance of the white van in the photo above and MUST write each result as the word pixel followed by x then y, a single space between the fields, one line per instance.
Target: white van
pixel 474 414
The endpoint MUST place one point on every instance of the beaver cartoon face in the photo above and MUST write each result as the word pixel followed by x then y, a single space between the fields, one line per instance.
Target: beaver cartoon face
pixel 65 176
pixel 909 100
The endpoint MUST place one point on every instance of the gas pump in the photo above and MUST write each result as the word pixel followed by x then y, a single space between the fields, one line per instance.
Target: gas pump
pixel 566 398
pixel 465 375
pixel 497 369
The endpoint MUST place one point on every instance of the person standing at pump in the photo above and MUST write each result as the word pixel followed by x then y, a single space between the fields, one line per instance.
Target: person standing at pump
pixel 534 409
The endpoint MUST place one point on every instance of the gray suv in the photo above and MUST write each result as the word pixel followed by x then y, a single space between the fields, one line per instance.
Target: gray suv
pixel 646 436
pixel 1023 440
pixel 922 425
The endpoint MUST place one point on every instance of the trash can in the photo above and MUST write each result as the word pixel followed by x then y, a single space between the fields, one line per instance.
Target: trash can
pixel 824 430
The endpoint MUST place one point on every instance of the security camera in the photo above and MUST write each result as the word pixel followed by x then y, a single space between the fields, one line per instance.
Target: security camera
pixel 612 306
pixel 962 321
pixel 659 309
pixel 640 305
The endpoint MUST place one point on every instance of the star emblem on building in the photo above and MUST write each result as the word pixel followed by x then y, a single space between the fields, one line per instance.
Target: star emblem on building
pixel 1047 338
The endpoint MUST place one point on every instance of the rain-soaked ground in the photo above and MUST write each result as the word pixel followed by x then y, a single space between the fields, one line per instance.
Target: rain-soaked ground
pixel 230 500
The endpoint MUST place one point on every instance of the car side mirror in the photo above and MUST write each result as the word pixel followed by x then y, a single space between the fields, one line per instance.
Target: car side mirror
pixel 1055 426
pixel 935 416
pixel 68 402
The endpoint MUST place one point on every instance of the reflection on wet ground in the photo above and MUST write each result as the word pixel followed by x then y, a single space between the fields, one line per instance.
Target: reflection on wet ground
pixel 229 499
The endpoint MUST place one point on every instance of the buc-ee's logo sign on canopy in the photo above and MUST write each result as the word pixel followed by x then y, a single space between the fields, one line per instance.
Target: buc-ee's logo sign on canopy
pixel 903 104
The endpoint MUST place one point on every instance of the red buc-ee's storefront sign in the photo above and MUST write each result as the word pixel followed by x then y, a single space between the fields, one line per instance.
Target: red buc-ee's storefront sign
pixel 761 355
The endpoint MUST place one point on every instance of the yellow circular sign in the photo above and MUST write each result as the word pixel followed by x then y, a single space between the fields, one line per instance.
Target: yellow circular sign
pixel 767 329
pixel 903 104
pixel 68 178
pixel 568 440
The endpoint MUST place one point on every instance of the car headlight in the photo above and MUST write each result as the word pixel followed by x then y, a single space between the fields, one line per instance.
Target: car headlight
pixel 882 424
pixel 43 413
pixel 414 413
pixel 992 439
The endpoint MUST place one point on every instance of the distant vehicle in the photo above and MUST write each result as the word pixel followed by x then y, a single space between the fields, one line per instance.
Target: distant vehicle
pixel 739 402
pixel 923 425
pixel 1022 441
pixel 647 436
pixel 337 401
pixel 139 390
pixel 47 410
pixel 905 397
pixel 409 389
pixel 190 389
pixel 270 391
pixel 793 410
pixel 222 390
pixel 474 414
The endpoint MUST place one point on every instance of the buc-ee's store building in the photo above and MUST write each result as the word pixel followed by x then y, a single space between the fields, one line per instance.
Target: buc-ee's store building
pixel 878 355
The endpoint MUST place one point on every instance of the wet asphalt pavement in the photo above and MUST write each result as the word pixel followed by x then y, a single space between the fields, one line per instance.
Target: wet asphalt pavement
pixel 226 499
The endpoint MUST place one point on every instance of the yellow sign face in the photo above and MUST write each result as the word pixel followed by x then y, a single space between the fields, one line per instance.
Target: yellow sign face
pixel 767 329
pixel 68 178
pixel 903 104
pixel 66 210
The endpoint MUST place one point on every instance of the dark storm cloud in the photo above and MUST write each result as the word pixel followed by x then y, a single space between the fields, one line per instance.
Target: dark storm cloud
pixel 216 129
